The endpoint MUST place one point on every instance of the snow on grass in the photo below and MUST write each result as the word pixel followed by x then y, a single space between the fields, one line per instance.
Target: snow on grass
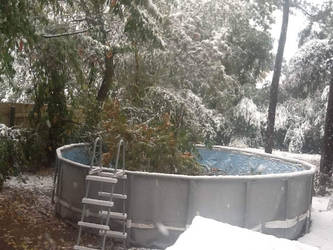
pixel 321 231
pixel 43 184
pixel 213 235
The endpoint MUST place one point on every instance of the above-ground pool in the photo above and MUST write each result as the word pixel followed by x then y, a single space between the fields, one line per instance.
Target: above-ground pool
pixel 256 191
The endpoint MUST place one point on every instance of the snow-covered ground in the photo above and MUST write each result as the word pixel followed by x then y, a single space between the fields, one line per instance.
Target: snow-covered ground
pixel 213 235
pixel 210 234
pixel 42 184
pixel 321 231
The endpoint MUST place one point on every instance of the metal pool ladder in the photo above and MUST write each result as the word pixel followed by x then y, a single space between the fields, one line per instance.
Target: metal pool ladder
pixel 105 202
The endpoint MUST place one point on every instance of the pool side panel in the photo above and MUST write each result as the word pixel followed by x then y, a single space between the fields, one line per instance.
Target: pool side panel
pixel 161 206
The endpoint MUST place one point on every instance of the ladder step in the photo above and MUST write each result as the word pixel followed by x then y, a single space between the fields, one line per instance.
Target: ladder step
pixel 114 234
pixel 77 247
pixel 93 225
pixel 119 175
pixel 101 179
pixel 114 195
pixel 113 215
pixel 97 202
pixel 95 170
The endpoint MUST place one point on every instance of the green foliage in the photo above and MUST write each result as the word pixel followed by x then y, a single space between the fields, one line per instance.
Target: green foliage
pixel 138 27
pixel 248 130
pixel 87 114
pixel 35 149
pixel 11 158
pixel 247 67
pixel 308 71
pixel 52 92
pixel 157 146
pixel 18 21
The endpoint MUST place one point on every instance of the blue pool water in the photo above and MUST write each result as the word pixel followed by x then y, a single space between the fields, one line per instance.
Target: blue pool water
pixel 77 154
pixel 221 162
pixel 233 163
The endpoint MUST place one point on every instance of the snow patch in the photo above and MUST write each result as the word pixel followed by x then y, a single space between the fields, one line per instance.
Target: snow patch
pixel 321 230
pixel 210 234
pixel 31 182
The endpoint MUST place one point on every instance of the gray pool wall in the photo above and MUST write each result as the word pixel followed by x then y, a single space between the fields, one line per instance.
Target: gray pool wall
pixel 161 206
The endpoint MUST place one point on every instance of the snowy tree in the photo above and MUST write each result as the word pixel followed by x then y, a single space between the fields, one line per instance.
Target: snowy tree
pixel 216 47
pixel 310 78
pixel 212 49
pixel 308 71
pixel 20 21
pixel 114 27
pixel 326 162
pixel 306 86
pixel 194 60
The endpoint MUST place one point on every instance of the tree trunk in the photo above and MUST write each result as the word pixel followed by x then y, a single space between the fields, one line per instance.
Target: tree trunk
pixel 276 79
pixel 108 78
pixel 326 161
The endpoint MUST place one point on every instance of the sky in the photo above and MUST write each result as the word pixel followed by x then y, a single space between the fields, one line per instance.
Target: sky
pixel 297 22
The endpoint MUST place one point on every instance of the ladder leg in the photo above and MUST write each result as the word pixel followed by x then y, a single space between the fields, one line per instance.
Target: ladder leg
pixel 83 213
pixel 104 236
pixel 101 221
pixel 101 189
pixel 107 218
pixel 124 207
pixel 80 228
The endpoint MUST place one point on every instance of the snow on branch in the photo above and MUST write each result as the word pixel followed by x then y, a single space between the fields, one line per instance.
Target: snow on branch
pixel 65 34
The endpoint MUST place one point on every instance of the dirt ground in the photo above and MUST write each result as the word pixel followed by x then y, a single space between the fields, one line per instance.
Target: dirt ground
pixel 28 221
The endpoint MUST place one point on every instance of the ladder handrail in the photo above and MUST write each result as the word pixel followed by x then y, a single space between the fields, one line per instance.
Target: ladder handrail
pixel 121 143
pixel 96 174
pixel 93 158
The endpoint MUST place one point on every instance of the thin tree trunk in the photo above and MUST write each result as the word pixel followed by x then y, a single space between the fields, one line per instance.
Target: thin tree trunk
pixel 326 161
pixel 107 80
pixel 103 91
pixel 137 67
pixel 276 79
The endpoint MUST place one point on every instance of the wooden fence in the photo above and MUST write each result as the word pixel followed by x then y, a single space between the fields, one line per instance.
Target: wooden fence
pixel 15 114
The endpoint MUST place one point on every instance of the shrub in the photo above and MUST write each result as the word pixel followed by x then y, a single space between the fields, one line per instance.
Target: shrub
pixel 11 154
pixel 34 147
pixel 154 146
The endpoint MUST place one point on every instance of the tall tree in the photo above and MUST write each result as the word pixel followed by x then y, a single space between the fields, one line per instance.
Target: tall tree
pixel 326 161
pixel 276 78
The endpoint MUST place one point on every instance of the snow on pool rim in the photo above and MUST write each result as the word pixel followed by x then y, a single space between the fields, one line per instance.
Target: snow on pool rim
pixel 309 169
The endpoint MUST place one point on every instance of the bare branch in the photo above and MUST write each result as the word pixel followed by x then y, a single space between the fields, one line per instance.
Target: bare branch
pixel 305 11
pixel 65 34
